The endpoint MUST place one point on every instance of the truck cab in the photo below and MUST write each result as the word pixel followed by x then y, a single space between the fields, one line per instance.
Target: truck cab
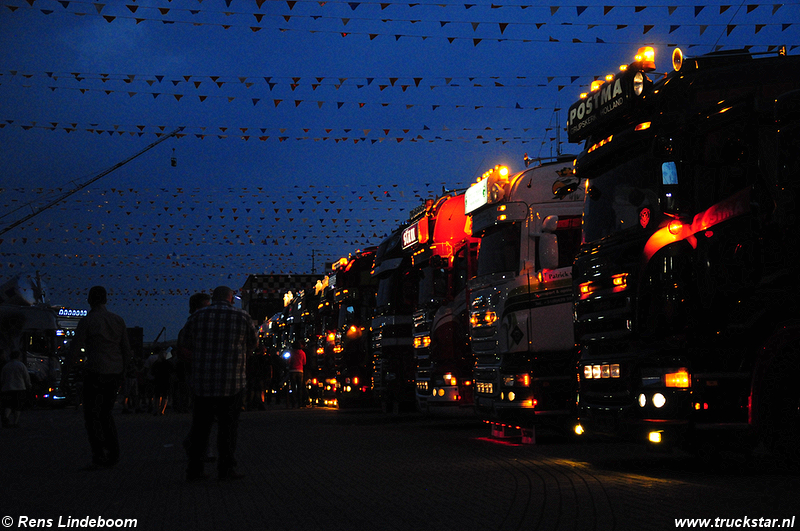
pixel 686 282
pixel 521 298
pixel 443 256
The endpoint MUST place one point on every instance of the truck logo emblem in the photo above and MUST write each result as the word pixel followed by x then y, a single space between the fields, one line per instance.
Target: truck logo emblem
pixel 517 335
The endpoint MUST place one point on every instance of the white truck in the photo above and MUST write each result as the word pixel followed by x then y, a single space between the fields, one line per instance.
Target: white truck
pixel 521 298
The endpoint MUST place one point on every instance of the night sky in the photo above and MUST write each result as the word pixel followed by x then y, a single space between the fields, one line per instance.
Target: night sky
pixel 309 127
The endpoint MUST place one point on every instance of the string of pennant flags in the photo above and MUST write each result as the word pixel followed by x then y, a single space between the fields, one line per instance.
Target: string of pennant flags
pixel 155 247
pixel 183 229
pixel 646 29
pixel 424 133
pixel 579 9
pixel 294 82
pixel 296 102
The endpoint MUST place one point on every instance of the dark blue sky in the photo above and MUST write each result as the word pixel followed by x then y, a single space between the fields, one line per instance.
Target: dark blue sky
pixel 308 125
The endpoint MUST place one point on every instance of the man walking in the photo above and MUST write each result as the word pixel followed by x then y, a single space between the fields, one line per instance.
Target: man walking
pixel 101 338
pixel 220 337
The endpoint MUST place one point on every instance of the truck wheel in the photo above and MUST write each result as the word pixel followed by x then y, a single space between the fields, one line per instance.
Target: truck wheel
pixel 778 411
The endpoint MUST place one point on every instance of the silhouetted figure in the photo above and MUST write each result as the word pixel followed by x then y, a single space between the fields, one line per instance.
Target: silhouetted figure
pixel 102 339
pixel 14 384
pixel 297 361
pixel 220 337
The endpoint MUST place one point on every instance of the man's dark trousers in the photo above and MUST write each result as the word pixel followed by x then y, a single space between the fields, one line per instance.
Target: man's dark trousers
pixel 226 409
pixel 99 396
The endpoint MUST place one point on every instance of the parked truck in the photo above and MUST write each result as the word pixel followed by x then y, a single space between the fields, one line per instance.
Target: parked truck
pixel 686 285
pixel 392 349
pixel 443 256
pixel 521 298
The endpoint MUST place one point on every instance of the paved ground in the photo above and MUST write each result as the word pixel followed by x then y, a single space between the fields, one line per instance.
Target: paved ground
pixel 334 470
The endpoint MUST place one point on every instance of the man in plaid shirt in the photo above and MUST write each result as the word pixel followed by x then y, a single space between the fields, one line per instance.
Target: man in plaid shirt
pixel 220 337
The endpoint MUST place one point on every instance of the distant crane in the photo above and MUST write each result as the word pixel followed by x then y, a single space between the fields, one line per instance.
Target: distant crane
pixel 87 183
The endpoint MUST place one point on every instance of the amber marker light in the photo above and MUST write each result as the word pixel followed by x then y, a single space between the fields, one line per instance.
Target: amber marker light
pixel 646 57
pixel 677 59
pixel 680 379
pixel 585 289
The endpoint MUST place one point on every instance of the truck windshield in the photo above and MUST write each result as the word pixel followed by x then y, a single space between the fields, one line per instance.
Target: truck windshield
pixel 499 250
pixel 397 291
pixel 616 198
pixel 432 285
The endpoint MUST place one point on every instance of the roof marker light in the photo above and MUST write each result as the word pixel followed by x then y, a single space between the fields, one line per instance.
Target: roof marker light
pixel 646 58
pixel 677 59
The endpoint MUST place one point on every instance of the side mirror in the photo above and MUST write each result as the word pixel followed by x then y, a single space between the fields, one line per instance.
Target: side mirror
pixel 550 224
pixel 548 251
pixel 548 243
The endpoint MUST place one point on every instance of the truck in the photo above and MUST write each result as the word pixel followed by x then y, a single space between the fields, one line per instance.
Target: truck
pixel 686 284
pixel 326 342
pixel 354 293
pixel 39 333
pixel 520 301
pixel 443 256
pixel 392 350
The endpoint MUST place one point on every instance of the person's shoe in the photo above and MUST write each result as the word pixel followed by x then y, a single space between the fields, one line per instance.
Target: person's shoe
pixel 99 465
pixel 229 475
pixel 194 477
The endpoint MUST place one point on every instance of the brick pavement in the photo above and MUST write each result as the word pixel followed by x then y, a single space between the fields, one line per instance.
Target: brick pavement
pixel 361 470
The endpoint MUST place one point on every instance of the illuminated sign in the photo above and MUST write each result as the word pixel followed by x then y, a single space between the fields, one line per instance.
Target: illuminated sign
pixel 476 196
pixel 602 104
pixel 416 233
pixel 67 312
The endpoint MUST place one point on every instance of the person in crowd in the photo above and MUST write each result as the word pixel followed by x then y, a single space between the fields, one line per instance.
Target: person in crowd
pixel 258 371
pixel 196 301
pixel 102 337
pixel 162 378
pixel 220 338
pixel 15 382
pixel 130 403
pixel 276 369
pixel 150 382
pixel 297 361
